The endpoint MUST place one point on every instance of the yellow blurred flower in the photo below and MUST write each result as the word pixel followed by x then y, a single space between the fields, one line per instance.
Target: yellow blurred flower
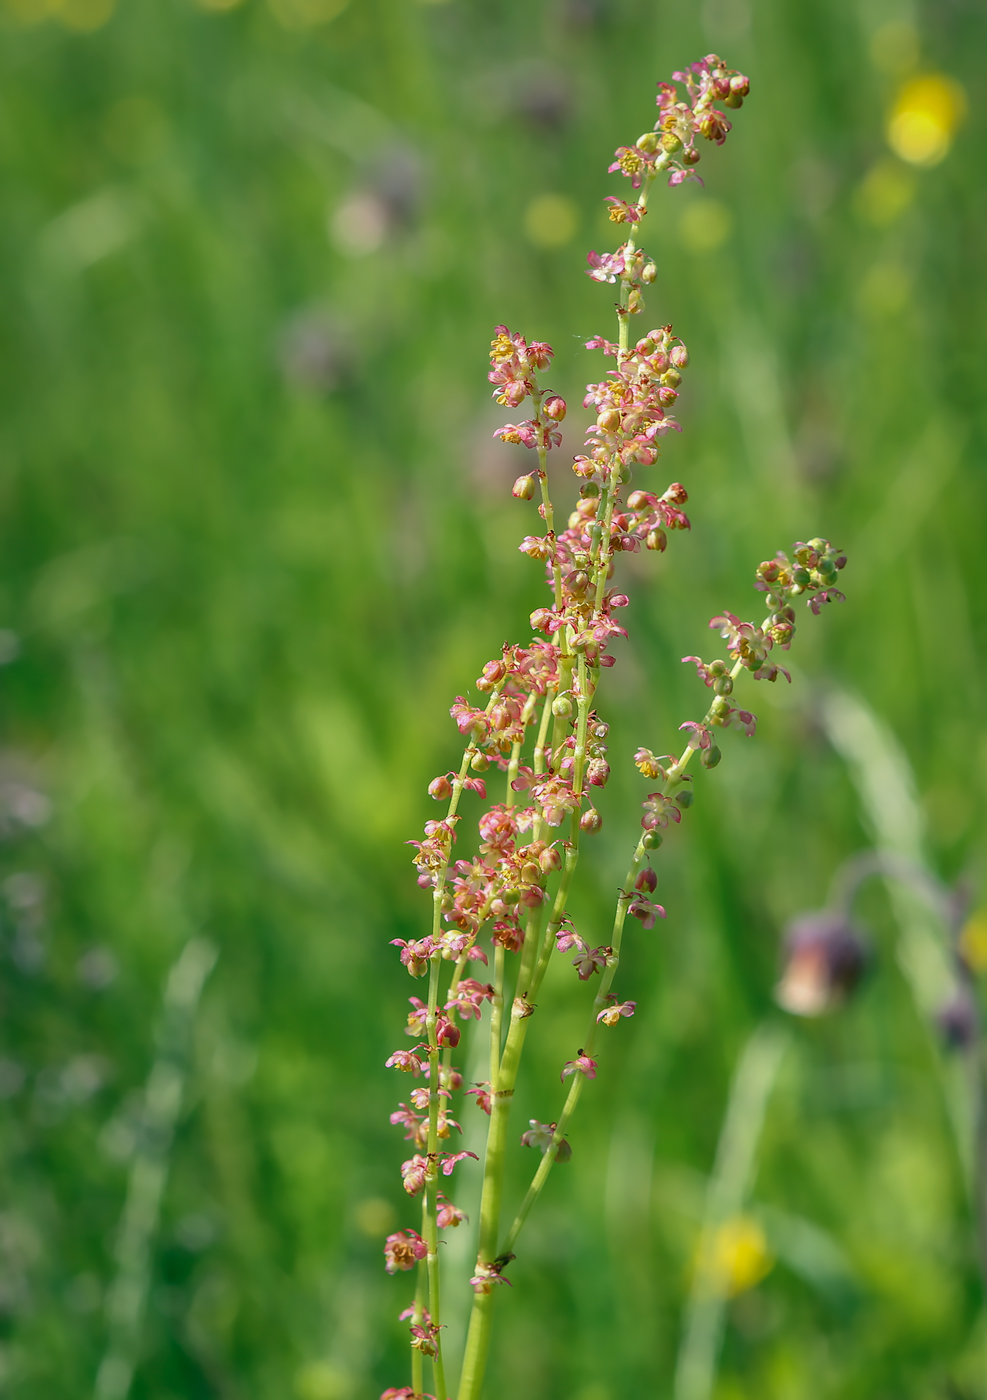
pixel 924 119
pixel 973 941
pixel 705 225
pixel 551 221
pixel 734 1258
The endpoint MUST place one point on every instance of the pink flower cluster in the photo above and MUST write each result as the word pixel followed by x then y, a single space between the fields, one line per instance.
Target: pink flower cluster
pixel 682 117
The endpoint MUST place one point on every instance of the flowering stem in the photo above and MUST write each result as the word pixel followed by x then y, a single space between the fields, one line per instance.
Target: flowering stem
pixel 576 1086
pixel 431 1229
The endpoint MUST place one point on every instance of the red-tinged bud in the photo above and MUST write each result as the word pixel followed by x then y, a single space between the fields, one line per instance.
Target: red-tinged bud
pixel 588 506
pixel 657 539
pixel 667 396
pixel 450 1078
pixel 609 420
pixel 532 896
pixel 541 618
pixel 637 500
pixel 676 494
pixel 591 822
pixel 690 157
pixel 446 1033
pixel 554 408
pixel 679 356
pixel 647 881
pixel 660 362
pixel 440 788
pixel 500 717
pixel 721 86
pixel 740 84
pixel 597 772
pixel 493 672
pixel 524 488
pixel 583 466
pixel 530 873
pixel 550 859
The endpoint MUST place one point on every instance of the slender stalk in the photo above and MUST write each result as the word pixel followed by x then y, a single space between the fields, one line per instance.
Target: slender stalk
pixel 754 1080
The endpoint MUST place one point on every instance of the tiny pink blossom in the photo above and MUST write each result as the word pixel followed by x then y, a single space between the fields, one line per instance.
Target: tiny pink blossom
pixel 403 1250
pixel 582 1064
pixel 484 1099
pixel 413 1174
pixel 449 1160
pixel 448 1214
pixel 410 1061
pixel 610 1015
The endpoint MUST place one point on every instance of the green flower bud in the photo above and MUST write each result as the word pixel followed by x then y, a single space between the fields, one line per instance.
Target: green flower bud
pixel 479 763
pixel 685 798
pixel 723 685
pixel 710 757
pixel 651 840
pixel 562 707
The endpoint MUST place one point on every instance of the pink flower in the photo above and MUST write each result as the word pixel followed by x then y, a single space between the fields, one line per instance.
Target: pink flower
pixel 659 810
pixel 700 737
pixel 488 1274
pixel 646 910
pixel 411 1121
pixel 484 1099
pixel 524 434
pixel 413 1174
pixel 582 1064
pixel 410 1061
pixel 623 213
pixel 605 267
pixel 415 954
pixel 416 1017
pixel 469 996
pixel 448 1214
pixel 744 717
pixel 403 1250
pixel 591 960
pixel 449 1160
pixel 610 1015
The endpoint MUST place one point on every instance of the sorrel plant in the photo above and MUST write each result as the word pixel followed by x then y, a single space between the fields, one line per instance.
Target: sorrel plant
pixel 541 732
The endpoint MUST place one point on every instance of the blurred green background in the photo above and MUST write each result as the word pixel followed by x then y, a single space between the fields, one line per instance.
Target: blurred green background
pixel 257 538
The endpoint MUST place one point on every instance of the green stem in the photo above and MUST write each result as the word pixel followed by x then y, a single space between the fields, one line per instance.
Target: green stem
pixel 589 1042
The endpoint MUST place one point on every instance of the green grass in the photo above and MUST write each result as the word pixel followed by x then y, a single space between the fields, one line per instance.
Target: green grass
pixel 245 598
